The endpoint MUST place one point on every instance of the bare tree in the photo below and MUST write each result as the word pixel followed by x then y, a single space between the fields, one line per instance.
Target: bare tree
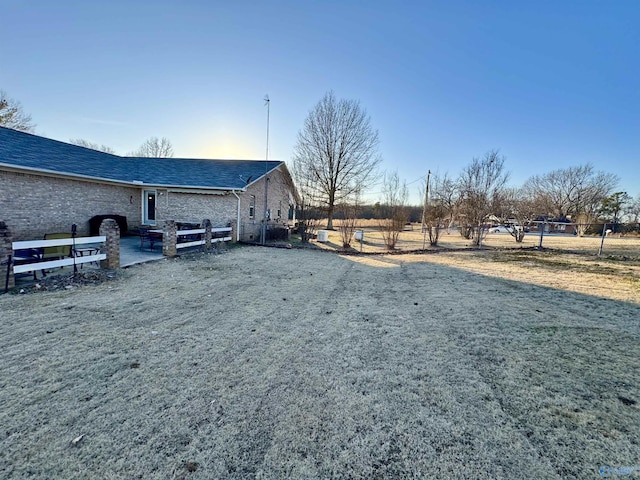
pixel 93 146
pixel 336 150
pixel 393 208
pixel 155 147
pixel 481 186
pixel 516 211
pixel 13 116
pixel 447 194
pixel 439 206
pixel 308 207
pixel 575 192
pixel 350 211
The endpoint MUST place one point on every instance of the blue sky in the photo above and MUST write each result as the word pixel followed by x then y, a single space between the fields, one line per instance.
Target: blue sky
pixel 552 84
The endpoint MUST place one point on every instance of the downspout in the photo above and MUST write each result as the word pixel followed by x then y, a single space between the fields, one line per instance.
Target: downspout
pixel 238 222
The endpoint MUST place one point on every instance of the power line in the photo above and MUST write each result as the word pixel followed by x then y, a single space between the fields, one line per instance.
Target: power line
pixel 418 179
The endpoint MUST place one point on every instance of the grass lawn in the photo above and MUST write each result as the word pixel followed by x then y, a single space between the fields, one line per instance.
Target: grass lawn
pixel 273 363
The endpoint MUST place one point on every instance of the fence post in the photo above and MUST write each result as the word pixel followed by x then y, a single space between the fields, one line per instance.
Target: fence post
pixel 6 254
pixel 169 238
pixel 110 229
pixel 206 223
pixel 604 234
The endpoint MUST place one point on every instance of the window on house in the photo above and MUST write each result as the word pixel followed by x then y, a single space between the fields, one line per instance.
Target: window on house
pixel 252 206
pixel 280 209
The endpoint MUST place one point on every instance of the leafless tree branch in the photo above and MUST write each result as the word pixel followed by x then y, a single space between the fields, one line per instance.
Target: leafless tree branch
pixel 481 186
pixel 336 151
pixel 13 116
pixel 576 193
pixel 394 213
pixel 93 146
pixel 155 147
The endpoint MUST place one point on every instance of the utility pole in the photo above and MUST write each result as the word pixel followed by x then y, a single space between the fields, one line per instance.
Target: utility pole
pixel 426 202
pixel 424 211
pixel 266 180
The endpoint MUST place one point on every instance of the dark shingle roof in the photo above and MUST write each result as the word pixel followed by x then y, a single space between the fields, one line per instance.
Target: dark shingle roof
pixel 21 149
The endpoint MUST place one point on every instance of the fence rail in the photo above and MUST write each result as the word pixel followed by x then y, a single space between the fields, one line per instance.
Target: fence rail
pixel 27 244
pixel 38 263
pixel 216 232
pixel 201 241
pixel 192 243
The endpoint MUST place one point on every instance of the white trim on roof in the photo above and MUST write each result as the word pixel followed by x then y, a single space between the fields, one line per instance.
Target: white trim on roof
pixel 256 180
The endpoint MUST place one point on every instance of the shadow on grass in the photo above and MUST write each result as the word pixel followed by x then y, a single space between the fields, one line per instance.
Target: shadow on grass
pixel 292 364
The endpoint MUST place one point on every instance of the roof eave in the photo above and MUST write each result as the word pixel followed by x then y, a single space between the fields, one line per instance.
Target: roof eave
pixel 132 183
pixel 53 173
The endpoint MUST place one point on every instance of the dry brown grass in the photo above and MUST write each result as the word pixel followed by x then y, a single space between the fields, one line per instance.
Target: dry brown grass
pixel 566 262
pixel 272 363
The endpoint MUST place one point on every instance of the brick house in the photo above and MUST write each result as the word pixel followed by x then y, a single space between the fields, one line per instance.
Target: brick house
pixel 47 185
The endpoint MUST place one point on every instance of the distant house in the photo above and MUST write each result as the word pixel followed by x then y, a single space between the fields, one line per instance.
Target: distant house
pixel 47 185
pixel 562 225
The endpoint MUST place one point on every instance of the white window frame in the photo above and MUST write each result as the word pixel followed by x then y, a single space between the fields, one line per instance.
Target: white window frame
pixel 252 206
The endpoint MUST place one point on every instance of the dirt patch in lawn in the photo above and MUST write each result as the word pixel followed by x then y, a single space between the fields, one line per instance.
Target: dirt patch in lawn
pixel 276 363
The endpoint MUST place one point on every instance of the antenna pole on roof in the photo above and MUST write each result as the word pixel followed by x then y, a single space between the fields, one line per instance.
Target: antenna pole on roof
pixel 265 218
pixel 267 102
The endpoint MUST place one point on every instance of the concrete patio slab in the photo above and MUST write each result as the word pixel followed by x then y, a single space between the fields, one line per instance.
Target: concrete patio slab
pixel 131 254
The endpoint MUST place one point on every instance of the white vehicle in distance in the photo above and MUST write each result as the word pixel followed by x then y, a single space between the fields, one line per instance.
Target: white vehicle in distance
pixel 509 229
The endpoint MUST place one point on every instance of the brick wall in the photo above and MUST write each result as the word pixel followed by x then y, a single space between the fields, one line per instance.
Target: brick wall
pixel 193 207
pixel 222 209
pixel 33 205
pixel 277 198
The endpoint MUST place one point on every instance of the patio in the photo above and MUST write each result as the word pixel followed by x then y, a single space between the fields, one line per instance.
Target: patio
pixel 131 254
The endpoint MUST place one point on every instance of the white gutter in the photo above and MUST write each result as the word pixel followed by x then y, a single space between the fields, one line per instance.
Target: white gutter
pixel 238 222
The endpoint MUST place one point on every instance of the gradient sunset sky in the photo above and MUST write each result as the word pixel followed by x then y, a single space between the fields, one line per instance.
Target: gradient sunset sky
pixel 552 84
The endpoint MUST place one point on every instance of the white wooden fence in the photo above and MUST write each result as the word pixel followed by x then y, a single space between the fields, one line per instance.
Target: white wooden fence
pixel 73 260
pixel 183 233
pixel 196 231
